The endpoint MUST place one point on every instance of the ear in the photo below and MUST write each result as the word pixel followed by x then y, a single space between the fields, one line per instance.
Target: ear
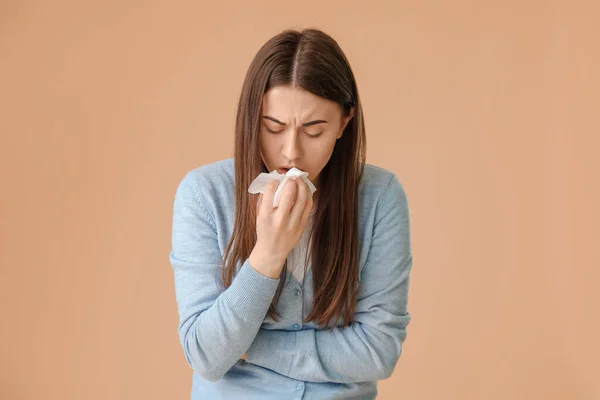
pixel 345 122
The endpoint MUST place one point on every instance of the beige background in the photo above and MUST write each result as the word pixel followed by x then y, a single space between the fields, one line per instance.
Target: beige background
pixel 487 111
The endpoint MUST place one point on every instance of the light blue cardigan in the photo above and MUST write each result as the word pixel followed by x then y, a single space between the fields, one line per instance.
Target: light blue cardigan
pixel 287 359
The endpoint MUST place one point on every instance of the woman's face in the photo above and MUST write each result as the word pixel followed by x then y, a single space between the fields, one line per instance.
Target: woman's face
pixel 299 129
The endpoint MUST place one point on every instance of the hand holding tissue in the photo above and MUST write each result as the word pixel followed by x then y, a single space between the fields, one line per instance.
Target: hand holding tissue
pixel 258 184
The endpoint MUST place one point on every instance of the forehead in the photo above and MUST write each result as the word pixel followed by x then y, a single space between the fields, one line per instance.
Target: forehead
pixel 287 101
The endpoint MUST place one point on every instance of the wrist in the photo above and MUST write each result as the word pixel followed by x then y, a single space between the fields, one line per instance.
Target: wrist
pixel 266 262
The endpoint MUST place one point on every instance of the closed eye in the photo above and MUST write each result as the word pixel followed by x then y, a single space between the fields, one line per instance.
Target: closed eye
pixel 313 135
pixel 272 131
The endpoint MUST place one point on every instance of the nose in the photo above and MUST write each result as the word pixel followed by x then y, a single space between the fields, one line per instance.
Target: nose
pixel 292 149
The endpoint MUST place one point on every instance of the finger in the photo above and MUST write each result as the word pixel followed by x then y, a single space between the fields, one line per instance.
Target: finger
pixel 288 196
pixel 259 201
pixel 300 203
pixel 307 209
pixel 266 201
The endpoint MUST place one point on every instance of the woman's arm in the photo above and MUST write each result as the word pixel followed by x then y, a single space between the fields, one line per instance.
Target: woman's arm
pixel 216 327
pixel 370 347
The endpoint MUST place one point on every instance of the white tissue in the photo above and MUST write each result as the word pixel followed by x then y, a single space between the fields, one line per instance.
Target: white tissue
pixel 258 184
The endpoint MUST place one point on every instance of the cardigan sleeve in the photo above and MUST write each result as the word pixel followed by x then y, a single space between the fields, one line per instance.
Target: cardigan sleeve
pixel 369 348
pixel 216 326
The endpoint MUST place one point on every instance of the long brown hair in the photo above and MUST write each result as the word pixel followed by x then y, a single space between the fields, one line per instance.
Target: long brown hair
pixel 313 61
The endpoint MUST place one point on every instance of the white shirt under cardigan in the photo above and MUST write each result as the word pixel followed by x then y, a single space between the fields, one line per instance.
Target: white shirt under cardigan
pixel 297 259
pixel 288 358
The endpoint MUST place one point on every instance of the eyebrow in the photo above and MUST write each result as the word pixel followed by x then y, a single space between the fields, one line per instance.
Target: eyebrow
pixel 310 123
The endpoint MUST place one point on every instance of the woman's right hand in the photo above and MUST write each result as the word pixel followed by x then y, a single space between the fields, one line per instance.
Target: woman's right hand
pixel 279 229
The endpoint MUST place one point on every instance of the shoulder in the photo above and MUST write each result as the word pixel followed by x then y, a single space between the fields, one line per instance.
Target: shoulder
pixel 214 173
pixel 211 180
pixel 380 187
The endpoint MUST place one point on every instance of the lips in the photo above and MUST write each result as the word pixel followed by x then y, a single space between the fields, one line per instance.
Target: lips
pixel 283 170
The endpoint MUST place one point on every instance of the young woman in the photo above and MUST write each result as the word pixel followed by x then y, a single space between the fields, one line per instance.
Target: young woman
pixel 306 300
